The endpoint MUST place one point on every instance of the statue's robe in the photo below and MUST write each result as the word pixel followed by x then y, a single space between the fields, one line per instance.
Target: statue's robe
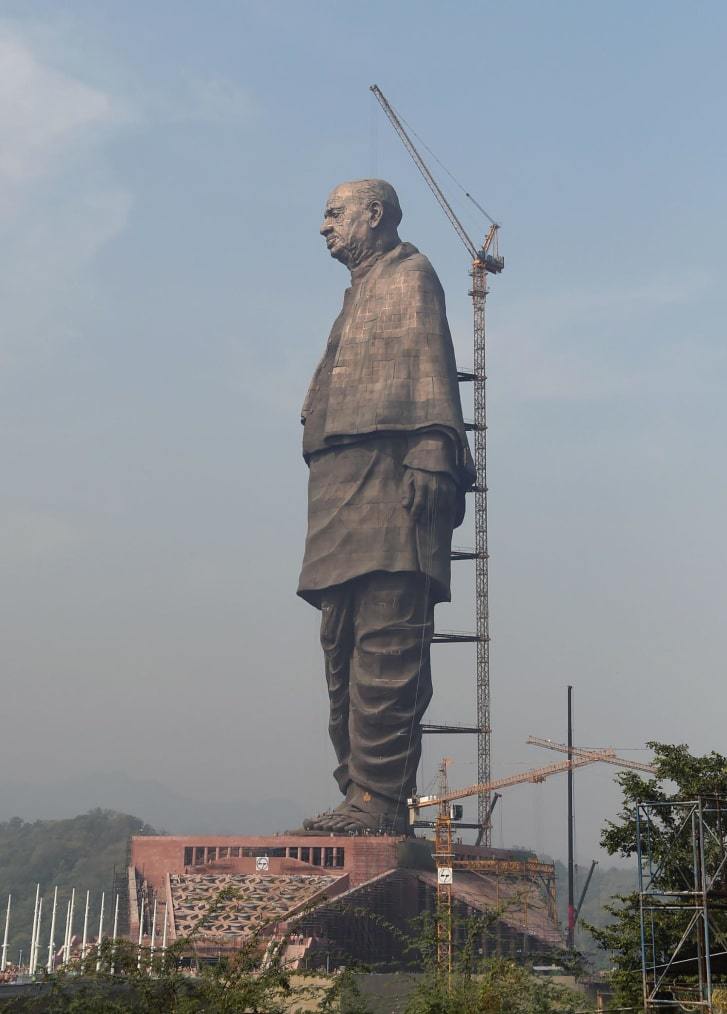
pixel 384 399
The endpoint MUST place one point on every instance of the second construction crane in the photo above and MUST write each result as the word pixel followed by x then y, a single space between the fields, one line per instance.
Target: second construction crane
pixel 444 855
pixel 485 260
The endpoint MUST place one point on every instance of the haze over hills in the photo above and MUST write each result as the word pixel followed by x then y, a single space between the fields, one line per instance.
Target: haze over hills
pixel 155 803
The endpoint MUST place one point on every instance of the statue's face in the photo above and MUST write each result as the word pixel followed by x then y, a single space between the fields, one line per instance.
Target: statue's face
pixel 348 225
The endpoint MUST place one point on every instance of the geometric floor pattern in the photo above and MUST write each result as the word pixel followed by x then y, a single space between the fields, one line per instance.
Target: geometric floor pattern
pixel 247 902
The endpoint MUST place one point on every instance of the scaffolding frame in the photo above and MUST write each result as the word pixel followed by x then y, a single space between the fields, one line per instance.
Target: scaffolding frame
pixel 682 867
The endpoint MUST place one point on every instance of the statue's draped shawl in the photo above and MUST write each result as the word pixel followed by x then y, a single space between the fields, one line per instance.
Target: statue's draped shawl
pixel 395 369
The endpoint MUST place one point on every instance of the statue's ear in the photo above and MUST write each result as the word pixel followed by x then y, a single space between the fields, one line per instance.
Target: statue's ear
pixel 376 213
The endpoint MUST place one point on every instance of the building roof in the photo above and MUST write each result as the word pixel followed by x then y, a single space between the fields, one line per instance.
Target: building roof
pixel 520 903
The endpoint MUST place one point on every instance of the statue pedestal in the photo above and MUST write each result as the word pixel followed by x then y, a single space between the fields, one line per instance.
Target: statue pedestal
pixel 337 898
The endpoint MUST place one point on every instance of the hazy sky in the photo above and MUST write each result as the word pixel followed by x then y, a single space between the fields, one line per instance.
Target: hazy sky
pixel 165 296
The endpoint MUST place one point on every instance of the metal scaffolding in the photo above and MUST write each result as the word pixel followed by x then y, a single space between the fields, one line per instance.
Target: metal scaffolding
pixel 682 866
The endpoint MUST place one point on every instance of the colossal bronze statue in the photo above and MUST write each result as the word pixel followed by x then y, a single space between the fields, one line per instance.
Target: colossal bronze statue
pixel 389 464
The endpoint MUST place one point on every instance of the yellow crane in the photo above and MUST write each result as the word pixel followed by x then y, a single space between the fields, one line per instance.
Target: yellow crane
pixel 449 812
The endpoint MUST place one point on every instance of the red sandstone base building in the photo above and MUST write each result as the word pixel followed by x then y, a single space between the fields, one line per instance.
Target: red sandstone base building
pixel 331 900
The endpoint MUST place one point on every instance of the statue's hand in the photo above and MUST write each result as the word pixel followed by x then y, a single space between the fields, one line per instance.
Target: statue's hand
pixel 428 493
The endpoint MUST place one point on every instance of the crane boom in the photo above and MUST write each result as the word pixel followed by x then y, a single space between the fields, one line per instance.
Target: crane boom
pixel 581 757
pixel 607 754
pixel 533 775
pixel 424 170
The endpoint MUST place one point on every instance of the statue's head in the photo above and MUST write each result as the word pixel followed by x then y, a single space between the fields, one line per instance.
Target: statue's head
pixel 361 218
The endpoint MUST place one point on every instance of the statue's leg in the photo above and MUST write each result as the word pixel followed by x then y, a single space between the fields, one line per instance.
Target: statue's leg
pixel 337 644
pixel 390 689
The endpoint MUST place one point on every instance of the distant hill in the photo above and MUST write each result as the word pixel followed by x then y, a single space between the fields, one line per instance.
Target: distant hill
pixel 158 804
pixel 80 852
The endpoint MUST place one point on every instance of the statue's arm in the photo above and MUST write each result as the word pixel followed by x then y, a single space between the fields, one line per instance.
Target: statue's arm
pixel 433 473
pixel 430 477
pixel 432 451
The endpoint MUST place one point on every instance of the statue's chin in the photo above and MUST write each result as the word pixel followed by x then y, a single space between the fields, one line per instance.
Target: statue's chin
pixel 341 254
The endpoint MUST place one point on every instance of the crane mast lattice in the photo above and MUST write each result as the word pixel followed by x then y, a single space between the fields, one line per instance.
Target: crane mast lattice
pixel 485 260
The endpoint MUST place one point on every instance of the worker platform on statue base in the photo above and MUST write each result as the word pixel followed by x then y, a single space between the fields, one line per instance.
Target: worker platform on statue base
pixel 327 898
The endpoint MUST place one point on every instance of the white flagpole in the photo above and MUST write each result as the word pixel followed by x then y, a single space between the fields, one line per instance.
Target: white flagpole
pixel 100 933
pixel 37 936
pixel 85 926
pixel 116 929
pixel 164 931
pixel 141 932
pixel 69 933
pixel 51 941
pixel 4 959
pixel 64 958
pixel 32 932
pixel 153 934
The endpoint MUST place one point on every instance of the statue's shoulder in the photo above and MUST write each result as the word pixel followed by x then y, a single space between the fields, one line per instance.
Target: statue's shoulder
pixel 411 262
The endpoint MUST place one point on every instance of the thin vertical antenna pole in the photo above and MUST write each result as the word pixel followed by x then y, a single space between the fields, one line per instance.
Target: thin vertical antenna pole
pixel 115 933
pixel 482 600
pixel 571 878
pixel 164 931
pixel 4 959
pixel 32 932
pixel 51 941
pixel 84 943
pixel 100 933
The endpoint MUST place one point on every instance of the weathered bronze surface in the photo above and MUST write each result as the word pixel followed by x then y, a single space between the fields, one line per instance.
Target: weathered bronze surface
pixel 389 464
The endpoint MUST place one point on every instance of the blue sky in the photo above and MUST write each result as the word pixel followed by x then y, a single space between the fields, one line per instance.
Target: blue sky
pixel 166 296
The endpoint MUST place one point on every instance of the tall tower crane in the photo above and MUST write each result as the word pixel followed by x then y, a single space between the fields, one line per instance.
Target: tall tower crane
pixel 485 260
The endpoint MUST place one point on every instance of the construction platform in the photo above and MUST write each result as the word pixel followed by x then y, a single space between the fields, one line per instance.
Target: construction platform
pixel 332 899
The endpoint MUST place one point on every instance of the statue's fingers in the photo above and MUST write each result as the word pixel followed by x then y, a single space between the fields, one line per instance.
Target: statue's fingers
pixel 408 498
pixel 420 499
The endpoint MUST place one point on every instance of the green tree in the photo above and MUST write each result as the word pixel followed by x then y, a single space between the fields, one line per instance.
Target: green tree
pixel 499 986
pixel 679 776
pixel 483 986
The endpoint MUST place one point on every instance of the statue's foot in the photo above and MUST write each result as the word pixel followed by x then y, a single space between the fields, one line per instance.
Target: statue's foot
pixel 362 812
